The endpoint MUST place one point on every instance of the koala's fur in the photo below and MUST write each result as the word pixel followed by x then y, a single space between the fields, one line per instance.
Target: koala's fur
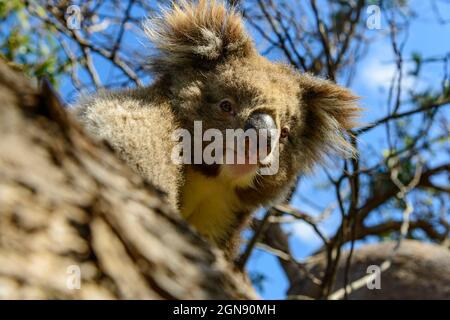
pixel 204 55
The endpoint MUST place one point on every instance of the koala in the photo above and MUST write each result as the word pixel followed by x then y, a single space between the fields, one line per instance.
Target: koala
pixel 206 68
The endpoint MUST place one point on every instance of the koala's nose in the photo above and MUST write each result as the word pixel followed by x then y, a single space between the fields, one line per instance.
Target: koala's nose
pixel 262 121
pixel 259 121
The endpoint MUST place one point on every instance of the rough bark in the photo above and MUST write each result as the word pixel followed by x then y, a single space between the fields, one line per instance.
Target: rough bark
pixel 67 202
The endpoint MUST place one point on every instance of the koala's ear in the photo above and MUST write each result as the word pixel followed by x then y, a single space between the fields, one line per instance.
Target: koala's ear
pixel 196 33
pixel 328 112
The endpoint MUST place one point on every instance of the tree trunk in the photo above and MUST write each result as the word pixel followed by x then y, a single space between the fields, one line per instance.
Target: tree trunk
pixel 69 207
pixel 417 270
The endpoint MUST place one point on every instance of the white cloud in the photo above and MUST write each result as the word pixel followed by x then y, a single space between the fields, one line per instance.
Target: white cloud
pixel 378 73
pixel 304 233
pixel 379 68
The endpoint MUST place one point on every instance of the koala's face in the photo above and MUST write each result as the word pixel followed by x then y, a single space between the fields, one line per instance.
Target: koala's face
pixel 256 96
pixel 296 112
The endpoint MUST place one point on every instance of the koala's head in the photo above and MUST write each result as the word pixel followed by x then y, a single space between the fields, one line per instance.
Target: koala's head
pixel 215 75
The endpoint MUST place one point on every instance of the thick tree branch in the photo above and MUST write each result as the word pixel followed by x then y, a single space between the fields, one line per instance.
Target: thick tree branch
pixel 68 203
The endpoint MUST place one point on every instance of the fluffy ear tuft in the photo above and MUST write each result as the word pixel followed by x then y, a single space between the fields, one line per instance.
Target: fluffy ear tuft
pixel 198 34
pixel 329 111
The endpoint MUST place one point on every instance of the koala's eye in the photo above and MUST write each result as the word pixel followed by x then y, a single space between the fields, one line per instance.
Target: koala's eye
pixel 284 132
pixel 226 105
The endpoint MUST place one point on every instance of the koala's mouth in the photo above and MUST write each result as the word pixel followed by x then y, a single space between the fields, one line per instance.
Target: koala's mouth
pixel 242 164
pixel 246 153
pixel 240 170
